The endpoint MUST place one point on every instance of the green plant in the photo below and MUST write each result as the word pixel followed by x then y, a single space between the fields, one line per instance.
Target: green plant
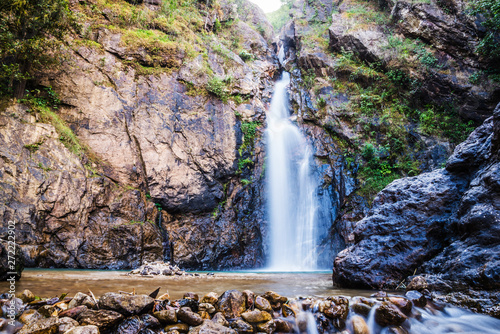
pixel 245 182
pixel 29 30
pixel 475 77
pixel 490 10
pixel 321 103
pixel 217 86
pixel 246 56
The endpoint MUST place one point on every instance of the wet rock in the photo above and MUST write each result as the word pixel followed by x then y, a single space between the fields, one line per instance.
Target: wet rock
pixel 150 321
pixel 402 303
pixel 26 296
pixel 126 304
pixel 42 326
pixel 249 299
pixel 47 310
pixel 231 304
pixel 397 330
pixel 359 325
pixel 256 316
pixel 181 328
pixel 210 298
pixel 73 312
pixel 191 303
pixel 416 298
pixel 267 327
pixel 241 326
pixel 274 298
pixel 418 283
pixel 131 325
pixel 90 329
pixel 210 327
pixel 187 316
pixel 191 295
pixel 209 308
pixel 104 319
pixel 283 326
pixel 29 316
pixel 263 304
pixel 220 319
pixel 387 314
pixel 82 299
pixel 66 323
pixel 166 316
pixel 287 311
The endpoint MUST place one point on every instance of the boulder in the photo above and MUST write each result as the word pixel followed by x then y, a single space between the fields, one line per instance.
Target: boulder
pixel 387 314
pixel 231 304
pixel 42 326
pixel 187 316
pixel 126 304
pixel 166 316
pixel 104 319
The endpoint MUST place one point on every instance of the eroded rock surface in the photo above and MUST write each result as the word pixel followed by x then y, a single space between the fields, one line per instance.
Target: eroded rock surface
pixel 442 223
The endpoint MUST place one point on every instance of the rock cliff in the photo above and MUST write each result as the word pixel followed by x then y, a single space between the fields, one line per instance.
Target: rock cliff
pixel 443 224
pixel 152 147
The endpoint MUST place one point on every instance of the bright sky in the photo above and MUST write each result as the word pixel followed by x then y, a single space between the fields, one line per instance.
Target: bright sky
pixel 268 5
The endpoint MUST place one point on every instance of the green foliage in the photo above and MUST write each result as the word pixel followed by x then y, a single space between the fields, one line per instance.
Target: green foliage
pixel 245 182
pixel 28 33
pixel 490 10
pixel 246 56
pixel 217 26
pixel 321 103
pixel 217 86
pixel 444 121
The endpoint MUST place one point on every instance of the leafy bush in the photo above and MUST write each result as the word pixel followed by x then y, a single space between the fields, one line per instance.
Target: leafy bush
pixel 490 10
pixel 246 56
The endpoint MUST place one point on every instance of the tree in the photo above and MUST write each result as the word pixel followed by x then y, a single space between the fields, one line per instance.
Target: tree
pixel 490 12
pixel 29 30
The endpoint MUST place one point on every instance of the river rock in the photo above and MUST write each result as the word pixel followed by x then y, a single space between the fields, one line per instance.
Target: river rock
pixel 220 319
pixel 90 329
pixel 66 323
pixel 26 296
pixel 266 327
pixel 256 316
pixel 73 312
pixel 187 316
pixel 387 314
pixel 126 304
pixel 42 326
pixel 242 327
pixel 210 298
pixel 29 316
pixel 283 326
pixel 82 299
pixel 418 283
pixel 416 298
pixel 150 321
pixel 231 304
pixel 210 327
pixel 104 319
pixel 263 304
pixel 180 328
pixel 209 308
pixel 166 316
pixel 359 325
pixel 249 299
pixel 274 298
pixel 191 295
pixel 402 303
pixel 131 325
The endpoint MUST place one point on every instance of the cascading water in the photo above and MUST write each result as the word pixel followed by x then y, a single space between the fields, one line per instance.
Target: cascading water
pixel 291 189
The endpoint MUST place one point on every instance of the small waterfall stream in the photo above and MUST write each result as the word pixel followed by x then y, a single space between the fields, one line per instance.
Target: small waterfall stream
pixel 291 189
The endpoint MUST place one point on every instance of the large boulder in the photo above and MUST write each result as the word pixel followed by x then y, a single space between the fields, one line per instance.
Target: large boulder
pixel 444 223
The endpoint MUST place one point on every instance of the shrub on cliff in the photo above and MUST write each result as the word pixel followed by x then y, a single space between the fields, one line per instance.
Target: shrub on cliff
pixel 26 31
pixel 490 10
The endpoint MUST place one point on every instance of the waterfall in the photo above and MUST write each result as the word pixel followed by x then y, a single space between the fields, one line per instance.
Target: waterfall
pixel 290 187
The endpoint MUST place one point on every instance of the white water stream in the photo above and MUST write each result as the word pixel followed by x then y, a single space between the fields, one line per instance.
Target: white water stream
pixel 291 189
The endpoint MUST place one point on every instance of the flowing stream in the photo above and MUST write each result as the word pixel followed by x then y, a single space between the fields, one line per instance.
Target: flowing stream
pixel 291 189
